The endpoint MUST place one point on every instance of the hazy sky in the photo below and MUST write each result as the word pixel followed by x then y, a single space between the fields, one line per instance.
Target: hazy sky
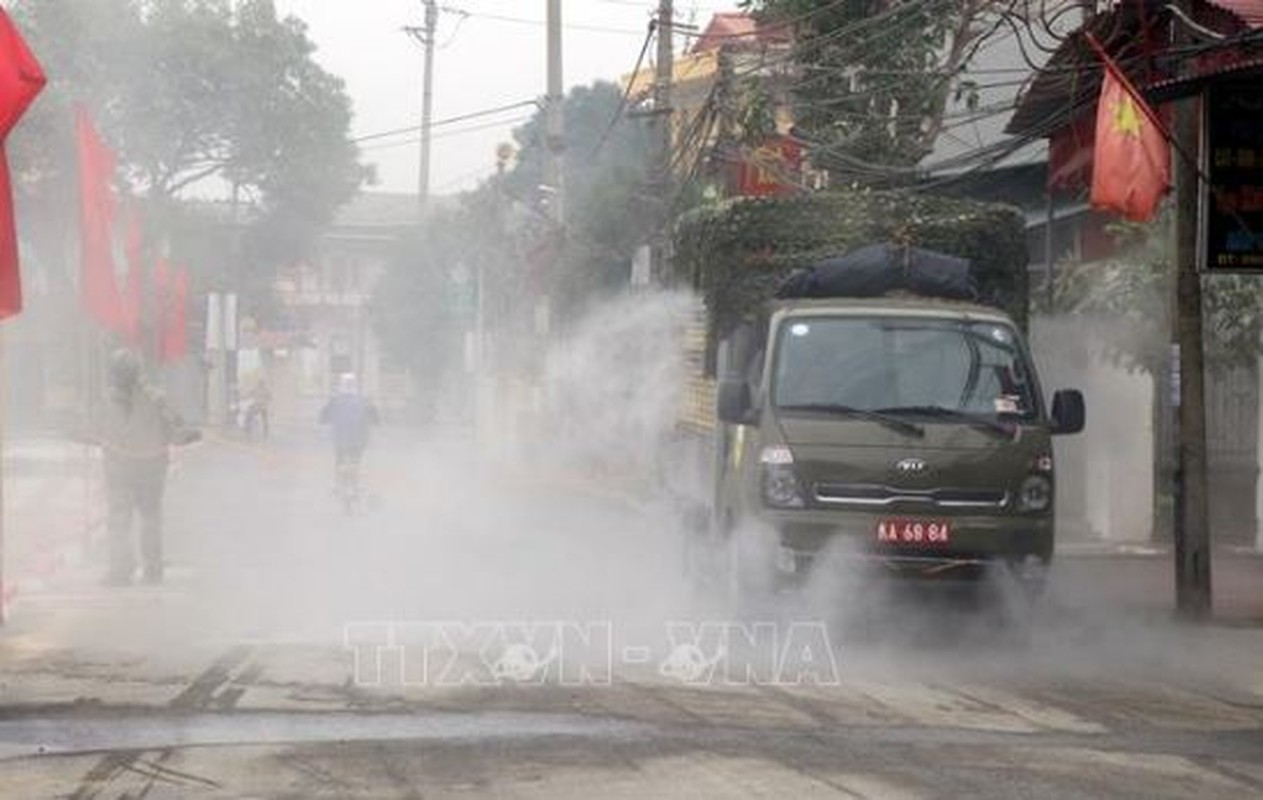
pixel 484 60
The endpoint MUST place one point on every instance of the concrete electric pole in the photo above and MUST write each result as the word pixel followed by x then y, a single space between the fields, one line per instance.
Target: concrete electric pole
pixel 663 76
pixel 1192 529
pixel 554 175
pixel 554 145
pixel 425 35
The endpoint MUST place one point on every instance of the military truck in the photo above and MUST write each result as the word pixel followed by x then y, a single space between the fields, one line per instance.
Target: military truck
pixel 854 391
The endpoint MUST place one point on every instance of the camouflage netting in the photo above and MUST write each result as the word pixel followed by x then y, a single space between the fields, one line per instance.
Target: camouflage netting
pixel 737 252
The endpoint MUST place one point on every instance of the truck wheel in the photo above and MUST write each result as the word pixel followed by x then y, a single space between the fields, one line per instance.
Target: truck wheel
pixel 746 574
pixel 1012 602
pixel 702 560
pixel 694 537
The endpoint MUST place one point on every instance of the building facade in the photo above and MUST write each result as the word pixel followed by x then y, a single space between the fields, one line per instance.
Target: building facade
pixel 327 300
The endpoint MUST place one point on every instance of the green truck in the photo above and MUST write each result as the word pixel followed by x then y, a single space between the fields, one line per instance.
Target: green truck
pixel 881 404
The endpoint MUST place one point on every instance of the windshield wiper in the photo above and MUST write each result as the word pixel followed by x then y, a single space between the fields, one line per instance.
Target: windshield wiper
pixel 892 422
pixel 989 425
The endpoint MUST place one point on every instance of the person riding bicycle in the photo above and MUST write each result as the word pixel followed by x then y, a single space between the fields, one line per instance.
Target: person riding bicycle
pixel 349 416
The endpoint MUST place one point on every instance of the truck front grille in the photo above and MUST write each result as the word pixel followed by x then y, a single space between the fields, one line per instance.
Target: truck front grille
pixel 856 494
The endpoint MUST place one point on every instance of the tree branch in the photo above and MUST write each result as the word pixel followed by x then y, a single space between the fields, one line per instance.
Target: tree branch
pixel 173 186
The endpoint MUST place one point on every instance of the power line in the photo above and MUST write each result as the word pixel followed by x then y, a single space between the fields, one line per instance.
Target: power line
pixel 622 103
pixel 777 25
pixel 455 132
pixel 448 121
pixel 536 22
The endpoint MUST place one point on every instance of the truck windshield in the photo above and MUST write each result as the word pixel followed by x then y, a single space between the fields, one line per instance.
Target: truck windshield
pixel 920 367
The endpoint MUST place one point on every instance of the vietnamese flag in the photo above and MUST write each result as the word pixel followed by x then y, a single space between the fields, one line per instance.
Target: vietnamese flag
pixel 98 210
pixel 171 291
pixel 173 341
pixel 132 297
pixel 1131 169
pixel 21 79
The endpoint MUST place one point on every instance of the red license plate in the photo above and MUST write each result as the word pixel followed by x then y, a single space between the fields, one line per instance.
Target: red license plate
pixel 923 532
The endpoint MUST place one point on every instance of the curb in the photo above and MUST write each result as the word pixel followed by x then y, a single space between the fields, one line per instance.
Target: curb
pixel 48 561
pixel 1144 552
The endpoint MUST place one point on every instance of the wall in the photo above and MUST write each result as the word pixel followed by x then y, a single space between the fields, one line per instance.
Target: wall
pixel 1105 474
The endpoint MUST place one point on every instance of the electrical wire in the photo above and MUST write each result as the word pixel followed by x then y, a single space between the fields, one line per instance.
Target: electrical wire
pixel 535 22
pixel 622 103
pixel 777 25
pixel 446 134
pixel 486 112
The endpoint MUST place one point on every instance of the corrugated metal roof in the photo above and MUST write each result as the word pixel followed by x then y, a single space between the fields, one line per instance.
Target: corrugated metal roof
pixel 1068 85
pixel 1250 11
pixel 738 30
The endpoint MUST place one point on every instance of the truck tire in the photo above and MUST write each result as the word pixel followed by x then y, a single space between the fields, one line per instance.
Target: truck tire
pixel 747 573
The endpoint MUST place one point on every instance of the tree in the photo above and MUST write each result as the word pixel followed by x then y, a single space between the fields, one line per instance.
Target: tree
pixel 1134 289
pixel 607 211
pixel 412 315
pixel 502 233
pixel 872 78
pixel 199 98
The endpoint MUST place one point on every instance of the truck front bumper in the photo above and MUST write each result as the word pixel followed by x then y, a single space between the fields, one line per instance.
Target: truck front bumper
pixel 805 539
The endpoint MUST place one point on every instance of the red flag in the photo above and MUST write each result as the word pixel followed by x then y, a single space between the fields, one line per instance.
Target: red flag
pixel 163 304
pixel 98 211
pixel 1131 168
pixel 21 79
pixel 132 298
pixel 174 338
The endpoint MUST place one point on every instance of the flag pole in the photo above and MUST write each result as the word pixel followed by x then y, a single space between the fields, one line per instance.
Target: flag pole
pixel 1112 67
pixel 1190 160
pixel 1192 542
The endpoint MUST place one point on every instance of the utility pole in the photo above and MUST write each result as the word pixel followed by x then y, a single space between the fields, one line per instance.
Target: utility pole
pixel 554 169
pixel 1192 532
pixel 425 35
pixel 662 112
pixel 554 174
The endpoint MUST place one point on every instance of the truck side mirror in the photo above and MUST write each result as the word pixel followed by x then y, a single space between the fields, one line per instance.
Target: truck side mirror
pixel 734 402
pixel 1068 413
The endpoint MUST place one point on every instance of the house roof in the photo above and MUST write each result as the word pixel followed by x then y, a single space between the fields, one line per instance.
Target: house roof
pixel 735 29
pixel 378 209
pixel 1250 11
pixel 974 122
pixel 1068 85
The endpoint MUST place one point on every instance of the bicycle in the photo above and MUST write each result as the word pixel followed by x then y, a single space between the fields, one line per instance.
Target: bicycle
pixel 348 484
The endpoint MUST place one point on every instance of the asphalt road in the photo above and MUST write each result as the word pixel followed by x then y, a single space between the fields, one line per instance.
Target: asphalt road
pixel 519 630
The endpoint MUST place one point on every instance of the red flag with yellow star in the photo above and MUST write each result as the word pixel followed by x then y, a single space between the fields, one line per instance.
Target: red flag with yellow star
pixel 21 79
pixel 1131 164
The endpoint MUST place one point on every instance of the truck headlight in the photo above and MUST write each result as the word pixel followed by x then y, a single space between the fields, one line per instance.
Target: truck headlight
pixel 781 488
pixel 1036 494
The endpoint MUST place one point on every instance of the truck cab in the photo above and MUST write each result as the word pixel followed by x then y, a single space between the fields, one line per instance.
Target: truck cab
pixel 908 433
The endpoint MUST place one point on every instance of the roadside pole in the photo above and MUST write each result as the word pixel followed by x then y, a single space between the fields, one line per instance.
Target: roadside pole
pixel 554 165
pixel 534 404
pixel 427 105
pixel 1192 533
pixel 664 74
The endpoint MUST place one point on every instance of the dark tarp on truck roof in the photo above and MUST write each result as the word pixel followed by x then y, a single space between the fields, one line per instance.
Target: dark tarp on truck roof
pixel 878 269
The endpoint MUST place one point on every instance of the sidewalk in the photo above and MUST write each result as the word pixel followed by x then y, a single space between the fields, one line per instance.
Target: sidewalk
pixel 53 511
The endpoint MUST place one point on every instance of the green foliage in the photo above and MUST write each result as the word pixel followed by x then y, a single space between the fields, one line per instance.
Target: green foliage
pixel 411 309
pixel 872 94
pixel 735 253
pixel 607 212
pixel 1135 290
pixel 193 94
